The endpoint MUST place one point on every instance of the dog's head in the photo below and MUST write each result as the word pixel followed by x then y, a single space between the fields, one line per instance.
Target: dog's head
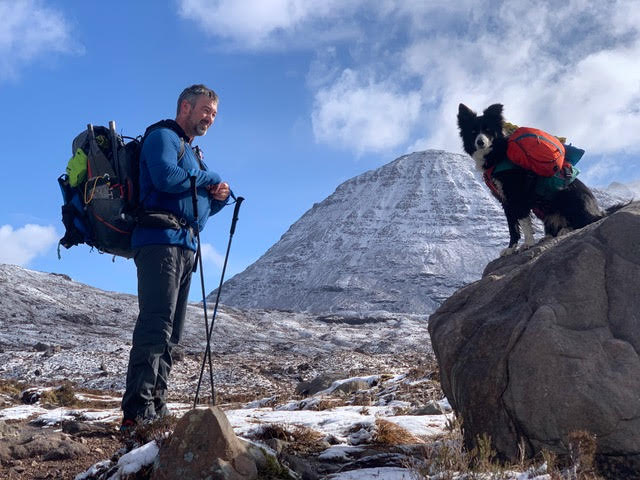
pixel 479 132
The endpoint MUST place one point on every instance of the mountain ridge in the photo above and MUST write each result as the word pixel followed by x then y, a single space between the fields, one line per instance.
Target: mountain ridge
pixel 400 238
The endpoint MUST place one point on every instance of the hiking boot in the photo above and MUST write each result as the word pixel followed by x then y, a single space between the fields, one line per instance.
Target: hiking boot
pixel 127 425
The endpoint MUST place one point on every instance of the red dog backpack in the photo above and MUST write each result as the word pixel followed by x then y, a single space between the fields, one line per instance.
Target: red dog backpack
pixel 536 150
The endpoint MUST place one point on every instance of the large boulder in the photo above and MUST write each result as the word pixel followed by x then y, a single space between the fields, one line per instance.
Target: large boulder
pixel 547 343
pixel 204 447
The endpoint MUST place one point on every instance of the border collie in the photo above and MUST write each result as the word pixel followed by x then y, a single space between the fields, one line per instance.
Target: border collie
pixel 570 208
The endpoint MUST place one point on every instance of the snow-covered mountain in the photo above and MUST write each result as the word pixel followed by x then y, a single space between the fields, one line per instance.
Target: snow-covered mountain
pixel 629 190
pixel 400 238
pixel 54 329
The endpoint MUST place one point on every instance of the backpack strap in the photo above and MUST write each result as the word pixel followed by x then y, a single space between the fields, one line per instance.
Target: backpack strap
pixel 181 153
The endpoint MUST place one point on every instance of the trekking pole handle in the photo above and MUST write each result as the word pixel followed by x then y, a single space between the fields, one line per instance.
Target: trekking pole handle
pixel 194 196
pixel 239 201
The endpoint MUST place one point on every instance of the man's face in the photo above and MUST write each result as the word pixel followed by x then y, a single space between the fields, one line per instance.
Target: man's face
pixel 201 116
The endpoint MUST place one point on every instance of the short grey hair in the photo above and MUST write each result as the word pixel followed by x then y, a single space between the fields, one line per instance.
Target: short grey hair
pixel 191 94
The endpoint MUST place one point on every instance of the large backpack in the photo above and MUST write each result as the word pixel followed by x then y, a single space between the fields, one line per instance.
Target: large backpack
pixel 536 150
pixel 100 191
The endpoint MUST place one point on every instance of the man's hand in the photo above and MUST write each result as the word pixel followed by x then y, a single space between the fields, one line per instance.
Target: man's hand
pixel 219 191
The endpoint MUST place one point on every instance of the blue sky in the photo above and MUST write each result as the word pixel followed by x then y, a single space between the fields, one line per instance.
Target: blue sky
pixel 312 93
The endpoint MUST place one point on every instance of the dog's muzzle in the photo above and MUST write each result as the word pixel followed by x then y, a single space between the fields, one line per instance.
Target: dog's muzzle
pixel 482 141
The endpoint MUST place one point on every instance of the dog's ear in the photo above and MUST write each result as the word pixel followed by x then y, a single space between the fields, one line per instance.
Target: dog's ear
pixel 464 113
pixel 494 110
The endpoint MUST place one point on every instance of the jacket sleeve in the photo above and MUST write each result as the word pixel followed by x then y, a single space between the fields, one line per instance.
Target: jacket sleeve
pixel 160 151
pixel 216 206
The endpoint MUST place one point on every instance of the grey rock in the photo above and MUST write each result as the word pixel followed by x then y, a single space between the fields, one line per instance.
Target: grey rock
pixel 352 386
pixel 547 343
pixel 87 429
pixel 204 446
pixel 319 383
pixel 276 444
pixel 431 408
pixel 47 445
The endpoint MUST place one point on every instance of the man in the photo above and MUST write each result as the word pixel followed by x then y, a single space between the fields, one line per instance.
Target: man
pixel 165 244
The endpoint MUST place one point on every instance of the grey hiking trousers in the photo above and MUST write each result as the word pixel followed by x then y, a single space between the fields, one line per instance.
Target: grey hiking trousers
pixel 164 277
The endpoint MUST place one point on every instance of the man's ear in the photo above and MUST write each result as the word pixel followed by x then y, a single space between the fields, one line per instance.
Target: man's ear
pixel 494 110
pixel 185 107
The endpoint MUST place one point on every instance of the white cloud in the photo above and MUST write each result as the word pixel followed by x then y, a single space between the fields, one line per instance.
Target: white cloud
pixel 30 30
pixel 210 254
pixel 363 114
pixel 268 24
pixel 20 246
pixel 568 67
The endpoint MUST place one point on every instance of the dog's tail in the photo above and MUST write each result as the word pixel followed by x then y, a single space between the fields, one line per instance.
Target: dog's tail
pixel 616 207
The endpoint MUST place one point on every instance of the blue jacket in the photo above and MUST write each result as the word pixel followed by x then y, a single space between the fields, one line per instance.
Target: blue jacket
pixel 165 186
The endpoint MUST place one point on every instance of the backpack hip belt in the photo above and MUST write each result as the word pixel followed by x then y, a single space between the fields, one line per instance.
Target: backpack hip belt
pixel 161 219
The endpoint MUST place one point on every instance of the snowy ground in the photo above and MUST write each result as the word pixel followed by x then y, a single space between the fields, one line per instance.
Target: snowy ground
pixel 54 330
pixel 334 375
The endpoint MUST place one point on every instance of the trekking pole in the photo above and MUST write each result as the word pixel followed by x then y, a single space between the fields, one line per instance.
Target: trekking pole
pixel 194 192
pixel 239 201
pixel 114 149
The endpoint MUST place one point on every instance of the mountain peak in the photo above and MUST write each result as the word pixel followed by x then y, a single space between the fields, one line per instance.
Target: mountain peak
pixel 399 238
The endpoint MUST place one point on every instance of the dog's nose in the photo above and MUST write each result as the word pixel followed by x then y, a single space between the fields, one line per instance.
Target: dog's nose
pixel 480 142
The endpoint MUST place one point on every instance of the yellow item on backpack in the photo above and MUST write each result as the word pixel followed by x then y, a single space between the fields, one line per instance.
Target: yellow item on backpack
pixel 77 168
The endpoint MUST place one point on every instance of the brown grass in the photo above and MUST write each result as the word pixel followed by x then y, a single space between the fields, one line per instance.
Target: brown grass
pixel 159 430
pixel 388 433
pixel 582 453
pixel 299 438
pixel 12 388
pixel 63 396
pixel 449 459
pixel 328 403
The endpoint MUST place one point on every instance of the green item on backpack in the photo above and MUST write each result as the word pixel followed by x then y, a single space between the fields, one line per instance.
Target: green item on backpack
pixel 100 190
pixel 549 186
pixel 77 168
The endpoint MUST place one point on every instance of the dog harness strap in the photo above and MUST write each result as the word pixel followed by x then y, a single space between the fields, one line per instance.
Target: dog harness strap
pixel 488 179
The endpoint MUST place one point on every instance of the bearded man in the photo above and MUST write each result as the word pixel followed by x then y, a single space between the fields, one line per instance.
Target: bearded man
pixel 172 174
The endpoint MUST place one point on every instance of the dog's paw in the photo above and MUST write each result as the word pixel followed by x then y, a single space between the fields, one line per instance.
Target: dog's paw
pixel 525 246
pixel 508 251
pixel 564 231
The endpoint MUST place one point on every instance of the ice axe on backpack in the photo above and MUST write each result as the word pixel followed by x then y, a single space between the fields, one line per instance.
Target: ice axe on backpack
pixel 207 352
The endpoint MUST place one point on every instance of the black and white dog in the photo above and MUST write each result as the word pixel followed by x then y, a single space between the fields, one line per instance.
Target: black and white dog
pixel 570 208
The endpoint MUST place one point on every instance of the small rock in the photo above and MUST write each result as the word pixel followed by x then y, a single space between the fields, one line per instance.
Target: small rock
pixel 321 382
pixel 431 408
pixel 203 445
pixel 276 444
pixel 177 354
pixel 353 386
pixel 41 347
pixel 30 396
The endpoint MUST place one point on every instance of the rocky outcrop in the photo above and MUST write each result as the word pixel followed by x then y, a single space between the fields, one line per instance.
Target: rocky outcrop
pixel 204 446
pixel 547 343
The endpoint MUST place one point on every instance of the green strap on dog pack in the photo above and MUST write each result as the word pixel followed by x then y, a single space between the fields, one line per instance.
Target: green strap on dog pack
pixel 77 168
